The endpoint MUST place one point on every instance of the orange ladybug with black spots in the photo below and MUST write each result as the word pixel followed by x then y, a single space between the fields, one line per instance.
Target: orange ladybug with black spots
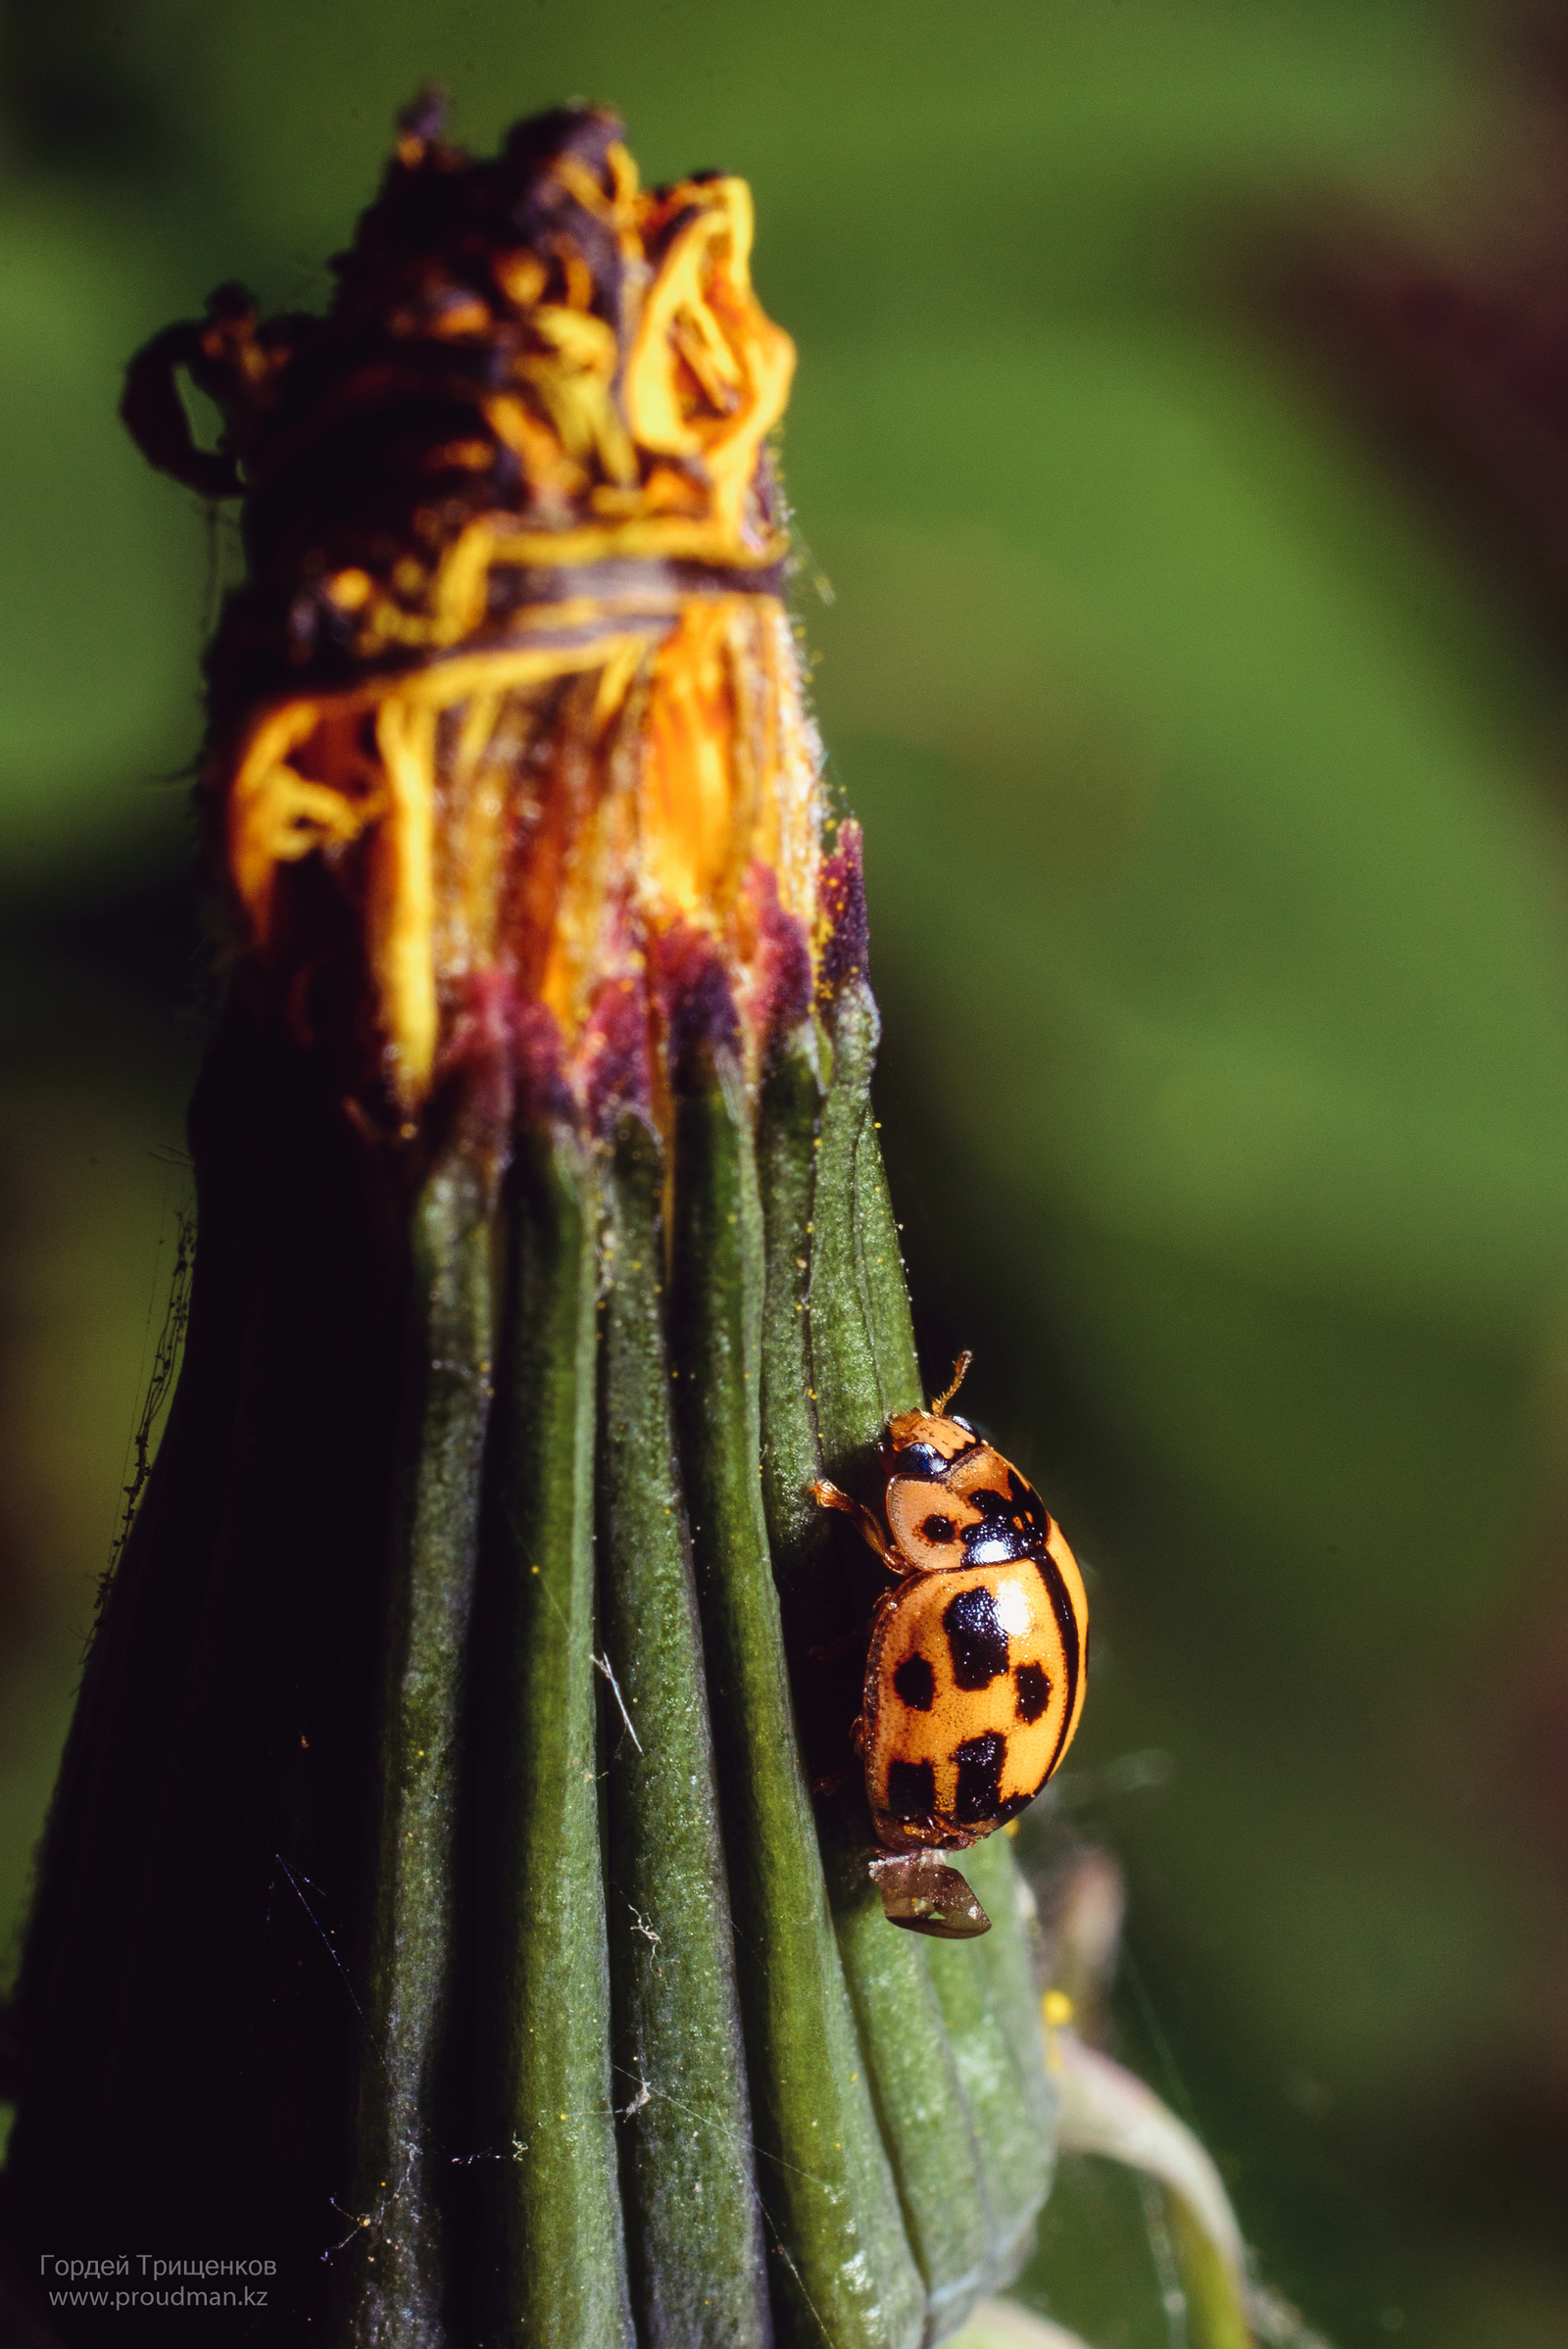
pixel 974 1680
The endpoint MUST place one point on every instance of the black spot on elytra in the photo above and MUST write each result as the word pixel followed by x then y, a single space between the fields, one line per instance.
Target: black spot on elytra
pixel 1034 1690
pixel 939 1529
pixel 916 1683
pixel 1012 1524
pixel 912 1790
pixel 979 1795
pixel 976 1639
pixel 1012 1807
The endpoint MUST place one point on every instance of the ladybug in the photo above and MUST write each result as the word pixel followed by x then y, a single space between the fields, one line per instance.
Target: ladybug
pixel 974 1680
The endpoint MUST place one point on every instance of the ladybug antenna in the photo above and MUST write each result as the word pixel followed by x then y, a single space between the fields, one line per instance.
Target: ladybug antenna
pixel 958 1369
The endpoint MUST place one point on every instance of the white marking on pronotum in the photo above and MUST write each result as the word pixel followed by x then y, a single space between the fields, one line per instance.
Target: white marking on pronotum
pixel 602 1664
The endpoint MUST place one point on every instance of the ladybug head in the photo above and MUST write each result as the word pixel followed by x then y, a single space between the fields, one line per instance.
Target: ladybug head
pixel 924 1444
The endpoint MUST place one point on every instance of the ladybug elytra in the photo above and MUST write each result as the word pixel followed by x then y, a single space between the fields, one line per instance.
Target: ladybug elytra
pixel 974 1680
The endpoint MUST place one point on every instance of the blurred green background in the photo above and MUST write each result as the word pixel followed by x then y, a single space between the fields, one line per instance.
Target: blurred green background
pixel 1216 855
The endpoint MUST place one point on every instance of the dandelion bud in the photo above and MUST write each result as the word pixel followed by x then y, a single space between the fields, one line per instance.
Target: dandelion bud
pixel 435 1878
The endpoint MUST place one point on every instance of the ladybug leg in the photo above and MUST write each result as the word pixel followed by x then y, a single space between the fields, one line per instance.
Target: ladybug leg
pixel 828 1496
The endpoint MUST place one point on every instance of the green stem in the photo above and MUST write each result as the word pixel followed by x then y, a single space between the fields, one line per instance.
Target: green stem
pixel 988 1998
pixel 788 1132
pixel 1216 2310
pixel 863 1370
pixel 865 1375
pixel 844 2273
pixel 544 2085
pixel 396 2284
pixel 694 2222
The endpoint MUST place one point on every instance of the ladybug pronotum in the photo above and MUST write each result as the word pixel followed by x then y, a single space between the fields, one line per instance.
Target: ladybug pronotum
pixel 974 1681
